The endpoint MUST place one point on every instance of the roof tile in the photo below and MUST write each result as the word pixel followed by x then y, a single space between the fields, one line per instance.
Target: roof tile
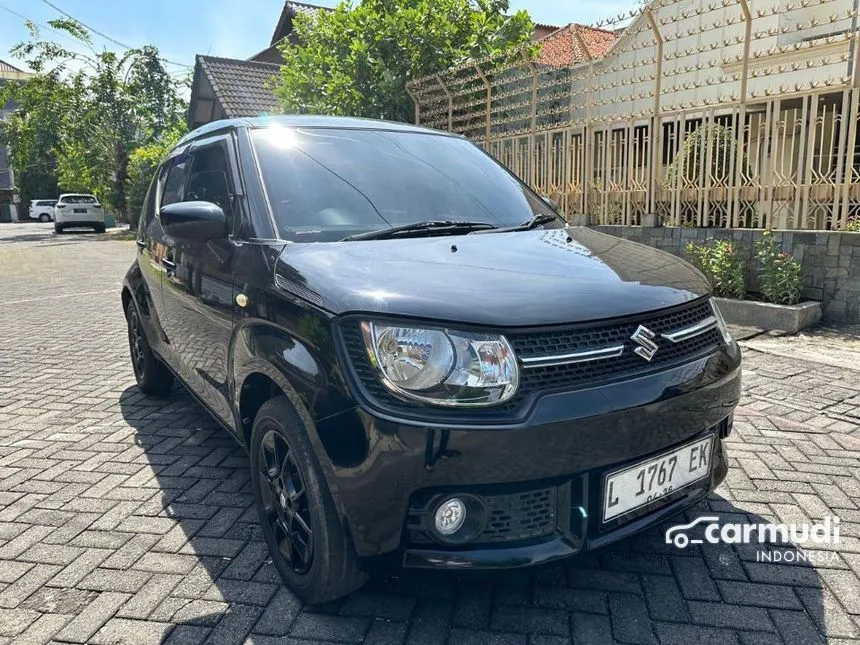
pixel 562 49
pixel 242 86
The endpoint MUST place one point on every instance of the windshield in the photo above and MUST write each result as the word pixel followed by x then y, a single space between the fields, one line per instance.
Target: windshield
pixel 326 184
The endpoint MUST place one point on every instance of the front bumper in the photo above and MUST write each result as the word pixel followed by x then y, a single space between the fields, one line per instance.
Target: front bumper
pixel 567 444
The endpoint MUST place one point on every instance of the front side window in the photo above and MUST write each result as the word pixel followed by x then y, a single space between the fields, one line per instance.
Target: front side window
pixel 171 180
pixel 209 179
pixel 325 184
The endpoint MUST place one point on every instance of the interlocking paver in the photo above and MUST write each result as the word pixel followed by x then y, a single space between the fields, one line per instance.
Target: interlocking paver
pixel 126 519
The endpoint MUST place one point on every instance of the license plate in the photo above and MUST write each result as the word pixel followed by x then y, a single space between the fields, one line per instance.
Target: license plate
pixel 635 486
pixel 80 210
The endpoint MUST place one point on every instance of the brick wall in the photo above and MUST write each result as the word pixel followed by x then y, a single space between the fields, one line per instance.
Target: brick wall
pixel 830 261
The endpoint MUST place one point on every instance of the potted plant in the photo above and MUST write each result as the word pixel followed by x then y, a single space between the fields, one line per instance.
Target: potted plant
pixel 777 306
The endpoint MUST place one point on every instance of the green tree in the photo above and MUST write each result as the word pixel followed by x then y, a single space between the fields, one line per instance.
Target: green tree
pixel 142 164
pixel 33 131
pixel 357 59
pixel 111 105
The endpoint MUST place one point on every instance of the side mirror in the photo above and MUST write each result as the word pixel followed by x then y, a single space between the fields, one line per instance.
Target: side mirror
pixel 198 221
pixel 550 202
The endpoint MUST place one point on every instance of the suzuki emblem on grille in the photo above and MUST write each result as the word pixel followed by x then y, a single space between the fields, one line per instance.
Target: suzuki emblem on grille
pixel 644 338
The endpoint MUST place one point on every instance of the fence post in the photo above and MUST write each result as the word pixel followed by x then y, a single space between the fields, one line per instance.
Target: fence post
pixel 533 147
pixel 655 120
pixel 489 87
pixel 742 113
pixel 414 98
pixel 450 102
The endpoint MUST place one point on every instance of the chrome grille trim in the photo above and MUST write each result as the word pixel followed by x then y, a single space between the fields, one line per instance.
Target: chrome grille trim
pixel 577 357
pixel 691 332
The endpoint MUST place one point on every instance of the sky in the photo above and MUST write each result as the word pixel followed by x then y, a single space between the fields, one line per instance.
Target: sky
pixel 229 28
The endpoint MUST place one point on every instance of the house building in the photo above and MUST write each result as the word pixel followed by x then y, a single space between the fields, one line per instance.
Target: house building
pixel 8 190
pixel 225 88
pixel 228 88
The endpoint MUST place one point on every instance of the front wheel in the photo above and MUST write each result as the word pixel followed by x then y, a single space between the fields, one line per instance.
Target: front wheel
pixel 151 374
pixel 44 217
pixel 300 524
pixel 58 228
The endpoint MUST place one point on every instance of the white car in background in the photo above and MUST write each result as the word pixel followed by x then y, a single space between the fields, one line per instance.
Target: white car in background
pixel 78 210
pixel 42 209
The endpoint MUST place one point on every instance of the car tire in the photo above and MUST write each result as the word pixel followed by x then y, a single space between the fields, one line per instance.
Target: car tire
pixel 151 374
pixel 295 505
pixel 58 228
pixel 44 217
pixel 100 228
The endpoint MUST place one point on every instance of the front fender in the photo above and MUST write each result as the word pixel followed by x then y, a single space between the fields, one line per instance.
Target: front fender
pixel 302 369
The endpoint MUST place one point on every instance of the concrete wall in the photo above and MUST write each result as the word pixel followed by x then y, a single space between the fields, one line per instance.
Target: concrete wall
pixel 830 261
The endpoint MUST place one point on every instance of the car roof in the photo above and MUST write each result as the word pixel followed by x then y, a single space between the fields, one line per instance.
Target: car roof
pixel 307 121
pixel 76 195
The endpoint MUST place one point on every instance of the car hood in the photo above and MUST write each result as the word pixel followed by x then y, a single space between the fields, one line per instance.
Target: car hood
pixel 538 277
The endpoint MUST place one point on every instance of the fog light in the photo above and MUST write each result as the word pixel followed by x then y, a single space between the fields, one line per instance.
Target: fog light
pixel 450 516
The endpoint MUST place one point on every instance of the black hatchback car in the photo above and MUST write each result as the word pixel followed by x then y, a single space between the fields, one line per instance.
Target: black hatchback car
pixel 427 366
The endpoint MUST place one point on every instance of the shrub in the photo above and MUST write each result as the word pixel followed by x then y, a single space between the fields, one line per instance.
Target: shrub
pixel 853 225
pixel 781 282
pixel 723 264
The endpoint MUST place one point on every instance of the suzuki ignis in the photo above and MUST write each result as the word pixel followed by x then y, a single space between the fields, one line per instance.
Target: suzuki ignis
pixel 427 366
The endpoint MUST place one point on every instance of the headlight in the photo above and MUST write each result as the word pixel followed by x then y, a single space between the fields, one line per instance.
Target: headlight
pixel 721 322
pixel 442 366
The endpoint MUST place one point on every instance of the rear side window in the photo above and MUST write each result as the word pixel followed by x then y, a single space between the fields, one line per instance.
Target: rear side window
pixel 148 210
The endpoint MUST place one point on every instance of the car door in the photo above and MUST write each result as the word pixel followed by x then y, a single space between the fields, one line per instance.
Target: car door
pixel 197 285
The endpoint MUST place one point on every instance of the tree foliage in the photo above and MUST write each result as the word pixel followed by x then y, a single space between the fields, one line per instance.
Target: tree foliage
pixel 142 164
pixel 357 59
pixel 84 114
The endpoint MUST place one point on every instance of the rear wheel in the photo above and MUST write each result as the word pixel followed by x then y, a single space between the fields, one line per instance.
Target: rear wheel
pixel 300 524
pixel 44 217
pixel 151 374
pixel 99 228
pixel 58 228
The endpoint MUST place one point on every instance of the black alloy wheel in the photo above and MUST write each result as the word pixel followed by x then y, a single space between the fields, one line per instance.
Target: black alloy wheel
pixel 285 501
pixel 136 344
pixel 151 374
pixel 301 525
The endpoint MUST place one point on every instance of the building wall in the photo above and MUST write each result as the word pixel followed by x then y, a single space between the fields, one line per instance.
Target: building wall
pixel 830 261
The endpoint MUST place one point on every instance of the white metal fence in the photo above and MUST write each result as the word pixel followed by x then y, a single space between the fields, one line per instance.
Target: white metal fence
pixel 730 113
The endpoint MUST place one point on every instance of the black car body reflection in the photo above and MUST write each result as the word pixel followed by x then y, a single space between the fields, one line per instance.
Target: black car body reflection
pixel 269 283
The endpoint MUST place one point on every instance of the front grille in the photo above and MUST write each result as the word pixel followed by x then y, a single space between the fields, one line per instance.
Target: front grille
pixel 510 518
pixel 535 381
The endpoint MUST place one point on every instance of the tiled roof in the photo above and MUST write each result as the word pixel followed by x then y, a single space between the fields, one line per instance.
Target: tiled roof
pixel 241 86
pixel 543 30
pixel 284 27
pixel 562 49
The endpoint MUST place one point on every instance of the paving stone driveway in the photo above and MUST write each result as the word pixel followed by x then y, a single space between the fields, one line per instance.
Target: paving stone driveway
pixel 126 519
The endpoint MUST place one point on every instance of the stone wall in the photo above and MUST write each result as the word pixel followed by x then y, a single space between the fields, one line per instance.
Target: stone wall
pixel 830 261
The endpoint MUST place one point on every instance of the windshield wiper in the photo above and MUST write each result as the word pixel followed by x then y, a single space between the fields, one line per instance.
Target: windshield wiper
pixel 431 227
pixel 534 222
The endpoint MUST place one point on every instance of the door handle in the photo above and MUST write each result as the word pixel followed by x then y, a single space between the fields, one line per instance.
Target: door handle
pixel 170 265
pixel 141 244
